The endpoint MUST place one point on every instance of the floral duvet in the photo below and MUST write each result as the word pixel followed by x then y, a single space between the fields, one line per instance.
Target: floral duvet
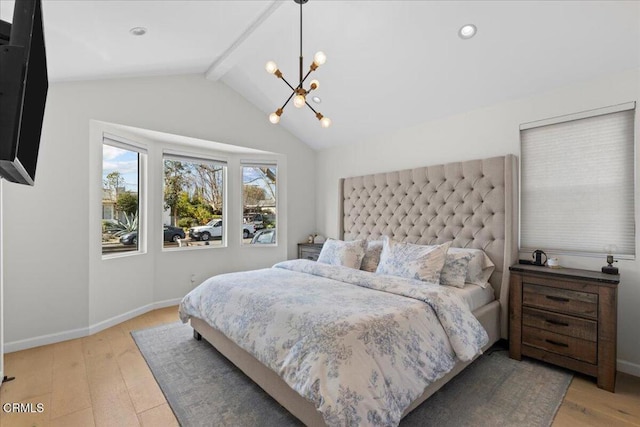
pixel 358 345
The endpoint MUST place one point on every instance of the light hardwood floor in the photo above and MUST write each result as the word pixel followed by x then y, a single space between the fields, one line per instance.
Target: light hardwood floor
pixel 103 380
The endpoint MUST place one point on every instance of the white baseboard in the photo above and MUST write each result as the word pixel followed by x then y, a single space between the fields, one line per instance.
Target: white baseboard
pixel 100 326
pixel 12 346
pixel 629 368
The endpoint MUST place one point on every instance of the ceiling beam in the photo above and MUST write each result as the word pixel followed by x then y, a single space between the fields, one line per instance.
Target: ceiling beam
pixel 222 63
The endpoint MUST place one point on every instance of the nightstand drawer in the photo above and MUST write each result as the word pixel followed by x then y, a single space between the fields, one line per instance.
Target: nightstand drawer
pixel 309 254
pixel 561 300
pixel 560 323
pixel 575 348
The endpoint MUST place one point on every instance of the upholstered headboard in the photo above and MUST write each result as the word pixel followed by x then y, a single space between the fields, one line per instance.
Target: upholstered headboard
pixel 472 203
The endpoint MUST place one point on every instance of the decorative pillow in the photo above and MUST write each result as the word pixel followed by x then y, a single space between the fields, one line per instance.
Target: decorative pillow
pixel 454 272
pixel 339 252
pixel 371 256
pixel 412 261
pixel 480 266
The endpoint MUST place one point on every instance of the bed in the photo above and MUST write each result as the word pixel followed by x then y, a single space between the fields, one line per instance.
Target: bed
pixel 469 204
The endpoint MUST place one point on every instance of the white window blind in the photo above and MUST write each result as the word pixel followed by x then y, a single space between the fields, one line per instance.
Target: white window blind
pixel 577 184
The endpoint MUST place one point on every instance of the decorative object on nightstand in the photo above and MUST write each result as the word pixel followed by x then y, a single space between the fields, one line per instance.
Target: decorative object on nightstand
pixel 567 317
pixel 610 269
pixel 309 251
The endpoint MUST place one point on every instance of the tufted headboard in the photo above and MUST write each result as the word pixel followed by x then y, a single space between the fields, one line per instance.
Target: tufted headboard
pixel 472 203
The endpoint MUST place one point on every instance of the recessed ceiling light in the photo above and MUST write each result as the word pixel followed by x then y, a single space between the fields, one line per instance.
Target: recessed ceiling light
pixel 138 31
pixel 316 99
pixel 467 31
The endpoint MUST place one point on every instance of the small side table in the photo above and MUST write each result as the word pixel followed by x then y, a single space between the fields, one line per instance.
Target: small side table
pixel 309 251
pixel 567 317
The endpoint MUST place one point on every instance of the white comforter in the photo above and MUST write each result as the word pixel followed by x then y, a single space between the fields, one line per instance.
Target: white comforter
pixel 360 346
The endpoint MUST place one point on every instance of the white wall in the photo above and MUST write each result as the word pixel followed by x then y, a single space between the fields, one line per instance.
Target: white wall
pixel 56 284
pixel 485 133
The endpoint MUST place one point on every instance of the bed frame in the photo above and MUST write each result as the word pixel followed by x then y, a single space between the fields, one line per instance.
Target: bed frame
pixel 472 203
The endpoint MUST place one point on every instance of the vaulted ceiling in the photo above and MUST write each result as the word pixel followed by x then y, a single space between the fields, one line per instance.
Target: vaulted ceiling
pixel 391 64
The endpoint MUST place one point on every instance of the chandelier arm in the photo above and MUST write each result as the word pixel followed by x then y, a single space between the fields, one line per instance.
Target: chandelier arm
pixel 312 109
pixel 287 101
pixel 288 84
pixel 305 77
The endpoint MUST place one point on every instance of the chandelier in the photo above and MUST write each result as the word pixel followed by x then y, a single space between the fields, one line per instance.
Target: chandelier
pixel 299 93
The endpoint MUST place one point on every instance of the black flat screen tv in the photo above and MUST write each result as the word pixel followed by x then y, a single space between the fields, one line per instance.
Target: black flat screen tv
pixel 23 91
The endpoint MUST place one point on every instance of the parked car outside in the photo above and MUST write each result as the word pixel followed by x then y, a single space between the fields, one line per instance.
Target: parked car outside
pixel 256 220
pixel 170 234
pixel 265 236
pixel 214 229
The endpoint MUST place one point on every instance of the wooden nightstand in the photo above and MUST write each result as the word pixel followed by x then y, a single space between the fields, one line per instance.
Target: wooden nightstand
pixel 309 250
pixel 567 317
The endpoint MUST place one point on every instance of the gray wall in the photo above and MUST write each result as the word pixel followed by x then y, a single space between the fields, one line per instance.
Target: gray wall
pixel 487 132
pixel 56 285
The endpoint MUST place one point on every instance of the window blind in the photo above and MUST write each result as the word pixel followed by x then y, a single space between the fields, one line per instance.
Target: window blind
pixel 577 185
pixel 167 155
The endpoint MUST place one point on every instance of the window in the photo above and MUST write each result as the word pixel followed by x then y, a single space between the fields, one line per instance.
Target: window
pixel 122 166
pixel 194 201
pixel 259 199
pixel 577 189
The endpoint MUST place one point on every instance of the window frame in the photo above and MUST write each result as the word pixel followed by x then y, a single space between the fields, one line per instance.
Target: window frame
pixel 195 157
pixel 143 177
pixel 610 247
pixel 267 162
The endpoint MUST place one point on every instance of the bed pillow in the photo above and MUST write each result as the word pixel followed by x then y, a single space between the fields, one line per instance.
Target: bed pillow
pixel 338 252
pixel 480 266
pixel 371 256
pixel 456 266
pixel 412 261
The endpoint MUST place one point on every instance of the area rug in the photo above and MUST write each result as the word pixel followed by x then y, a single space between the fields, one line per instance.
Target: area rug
pixel 204 389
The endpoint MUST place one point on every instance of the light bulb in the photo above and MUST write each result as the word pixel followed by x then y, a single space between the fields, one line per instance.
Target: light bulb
pixel 271 67
pixel 325 122
pixel 314 84
pixel 320 58
pixel 299 101
pixel 274 118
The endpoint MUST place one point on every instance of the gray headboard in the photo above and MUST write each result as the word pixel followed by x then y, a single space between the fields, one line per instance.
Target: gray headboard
pixel 472 203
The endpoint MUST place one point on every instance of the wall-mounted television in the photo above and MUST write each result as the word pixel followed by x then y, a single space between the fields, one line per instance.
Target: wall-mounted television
pixel 23 91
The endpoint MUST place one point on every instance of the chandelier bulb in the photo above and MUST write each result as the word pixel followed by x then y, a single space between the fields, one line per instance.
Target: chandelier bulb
pixel 274 118
pixel 299 101
pixel 325 122
pixel 315 84
pixel 319 58
pixel 271 67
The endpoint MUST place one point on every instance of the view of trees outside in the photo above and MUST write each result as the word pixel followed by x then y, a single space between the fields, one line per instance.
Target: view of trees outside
pixel 259 188
pixel 193 194
pixel 120 198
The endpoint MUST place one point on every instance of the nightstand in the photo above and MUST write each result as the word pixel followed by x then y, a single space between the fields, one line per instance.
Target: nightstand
pixel 567 317
pixel 309 251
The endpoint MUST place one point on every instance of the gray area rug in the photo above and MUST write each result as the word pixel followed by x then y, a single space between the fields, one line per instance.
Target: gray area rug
pixel 204 389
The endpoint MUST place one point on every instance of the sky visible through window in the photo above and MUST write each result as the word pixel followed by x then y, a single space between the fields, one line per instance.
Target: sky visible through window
pixel 124 161
pixel 253 176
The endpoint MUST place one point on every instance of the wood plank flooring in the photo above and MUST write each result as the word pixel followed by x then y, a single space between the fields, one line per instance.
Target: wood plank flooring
pixel 102 380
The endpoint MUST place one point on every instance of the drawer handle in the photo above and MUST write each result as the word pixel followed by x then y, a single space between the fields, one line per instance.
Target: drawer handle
pixel 555 322
pixel 310 257
pixel 559 299
pixel 559 344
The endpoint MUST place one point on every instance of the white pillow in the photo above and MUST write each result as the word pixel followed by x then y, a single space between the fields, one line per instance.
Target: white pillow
pixel 412 261
pixel 339 252
pixel 371 256
pixel 480 266
pixel 456 266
